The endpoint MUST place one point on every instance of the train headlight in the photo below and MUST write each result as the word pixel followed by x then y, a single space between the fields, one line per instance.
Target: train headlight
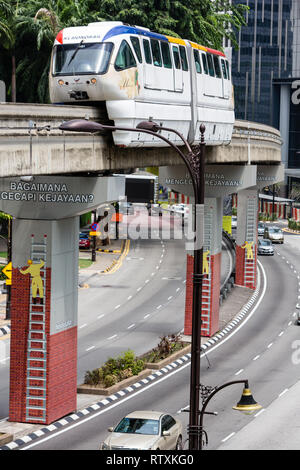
pixel 93 80
pixel 61 82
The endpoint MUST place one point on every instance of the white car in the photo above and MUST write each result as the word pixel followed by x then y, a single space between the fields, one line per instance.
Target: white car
pixel 233 221
pixel 181 209
pixel 145 430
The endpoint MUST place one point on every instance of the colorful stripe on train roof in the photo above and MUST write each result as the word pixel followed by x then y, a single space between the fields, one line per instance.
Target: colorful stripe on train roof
pixel 214 51
pixel 132 30
pixel 124 29
pixel 176 40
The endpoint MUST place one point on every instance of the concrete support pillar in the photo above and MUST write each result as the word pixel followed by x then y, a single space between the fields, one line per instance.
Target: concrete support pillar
pixel 212 250
pixel 43 357
pixel 246 239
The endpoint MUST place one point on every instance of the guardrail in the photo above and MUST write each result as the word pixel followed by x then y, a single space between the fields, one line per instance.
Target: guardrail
pixel 228 284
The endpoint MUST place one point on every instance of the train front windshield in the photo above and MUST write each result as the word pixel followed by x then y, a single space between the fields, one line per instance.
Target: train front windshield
pixel 89 58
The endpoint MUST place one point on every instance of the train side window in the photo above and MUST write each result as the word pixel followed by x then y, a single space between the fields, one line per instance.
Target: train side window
pixel 197 61
pixel 227 67
pixel 183 57
pixel 137 48
pixel 204 62
pixel 166 56
pixel 210 64
pixel 217 66
pixel 176 57
pixel 156 52
pixel 125 58
pixel 147 51
pixel 224 68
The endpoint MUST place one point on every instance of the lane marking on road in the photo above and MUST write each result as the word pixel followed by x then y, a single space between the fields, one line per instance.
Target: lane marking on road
pixel 259 412
pixel 82 326
pixel 146 316
pixel 130 326
pixel 281 333
pixel 117 306
pixel 90 348
pixel 5 359
pixel 112 337
pixel 239 372
pixel 256 357
pixel 283 392
pixel 100 316
pixel 228 437
pixel 270 345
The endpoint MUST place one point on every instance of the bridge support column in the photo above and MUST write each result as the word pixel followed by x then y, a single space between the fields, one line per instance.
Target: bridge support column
pixel 246 239
pixel 44 291
pixel 212 250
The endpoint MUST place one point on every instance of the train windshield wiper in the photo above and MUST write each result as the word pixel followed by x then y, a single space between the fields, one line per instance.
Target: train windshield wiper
pixel 75 52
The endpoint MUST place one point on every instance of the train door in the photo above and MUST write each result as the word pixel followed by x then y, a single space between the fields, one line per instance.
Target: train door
pixel 178 77
pixel 218 77
pixel 168 80
pixel 206 80
pixel 148 65
pixel 226 78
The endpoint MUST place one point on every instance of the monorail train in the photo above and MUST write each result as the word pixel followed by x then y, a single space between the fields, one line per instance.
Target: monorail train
pixel 139 75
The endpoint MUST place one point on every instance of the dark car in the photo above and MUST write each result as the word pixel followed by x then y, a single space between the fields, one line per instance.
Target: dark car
pixel 265 247
pixel 84 241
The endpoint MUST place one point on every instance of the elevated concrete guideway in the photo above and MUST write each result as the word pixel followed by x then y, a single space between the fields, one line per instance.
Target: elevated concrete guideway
pixel 32 144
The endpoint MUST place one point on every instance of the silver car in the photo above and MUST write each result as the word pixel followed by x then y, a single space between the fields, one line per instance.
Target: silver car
pixel 265 247
pixel 145 430
pixel 274 234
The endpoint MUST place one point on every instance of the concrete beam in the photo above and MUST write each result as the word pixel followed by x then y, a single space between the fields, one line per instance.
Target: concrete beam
pixel 44 149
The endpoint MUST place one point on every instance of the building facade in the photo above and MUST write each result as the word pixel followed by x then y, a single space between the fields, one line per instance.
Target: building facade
pixel 266 73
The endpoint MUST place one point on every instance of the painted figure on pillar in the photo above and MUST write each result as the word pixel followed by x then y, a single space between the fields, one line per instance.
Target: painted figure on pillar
pixel 37 282
pixel 248 247
pixel 205 262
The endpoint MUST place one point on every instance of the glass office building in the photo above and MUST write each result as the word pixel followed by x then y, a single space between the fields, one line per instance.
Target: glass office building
pixel 266 71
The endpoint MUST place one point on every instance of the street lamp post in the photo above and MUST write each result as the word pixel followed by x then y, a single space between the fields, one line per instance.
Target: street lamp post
pixel 246 404
pixel 194 161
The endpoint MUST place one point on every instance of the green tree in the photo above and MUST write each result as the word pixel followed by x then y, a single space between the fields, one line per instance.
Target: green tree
pixel 204 21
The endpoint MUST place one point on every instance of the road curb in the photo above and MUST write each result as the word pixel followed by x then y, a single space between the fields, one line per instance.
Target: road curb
pixel 155 375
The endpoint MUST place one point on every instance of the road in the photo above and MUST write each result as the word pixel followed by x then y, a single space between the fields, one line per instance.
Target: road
pixel 260 350
pixel 131 308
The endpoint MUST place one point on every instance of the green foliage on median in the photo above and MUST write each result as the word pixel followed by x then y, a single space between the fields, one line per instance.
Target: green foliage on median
pixel 168 345
pixel 115 370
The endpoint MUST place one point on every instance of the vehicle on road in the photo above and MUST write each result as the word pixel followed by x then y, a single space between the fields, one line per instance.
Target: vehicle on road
pixel 126 208
pixel 274 234
pixel 145 430
pixel 84 240
pixel 233 221
pixel 265 247
pixel 181 209
pixel 261 228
